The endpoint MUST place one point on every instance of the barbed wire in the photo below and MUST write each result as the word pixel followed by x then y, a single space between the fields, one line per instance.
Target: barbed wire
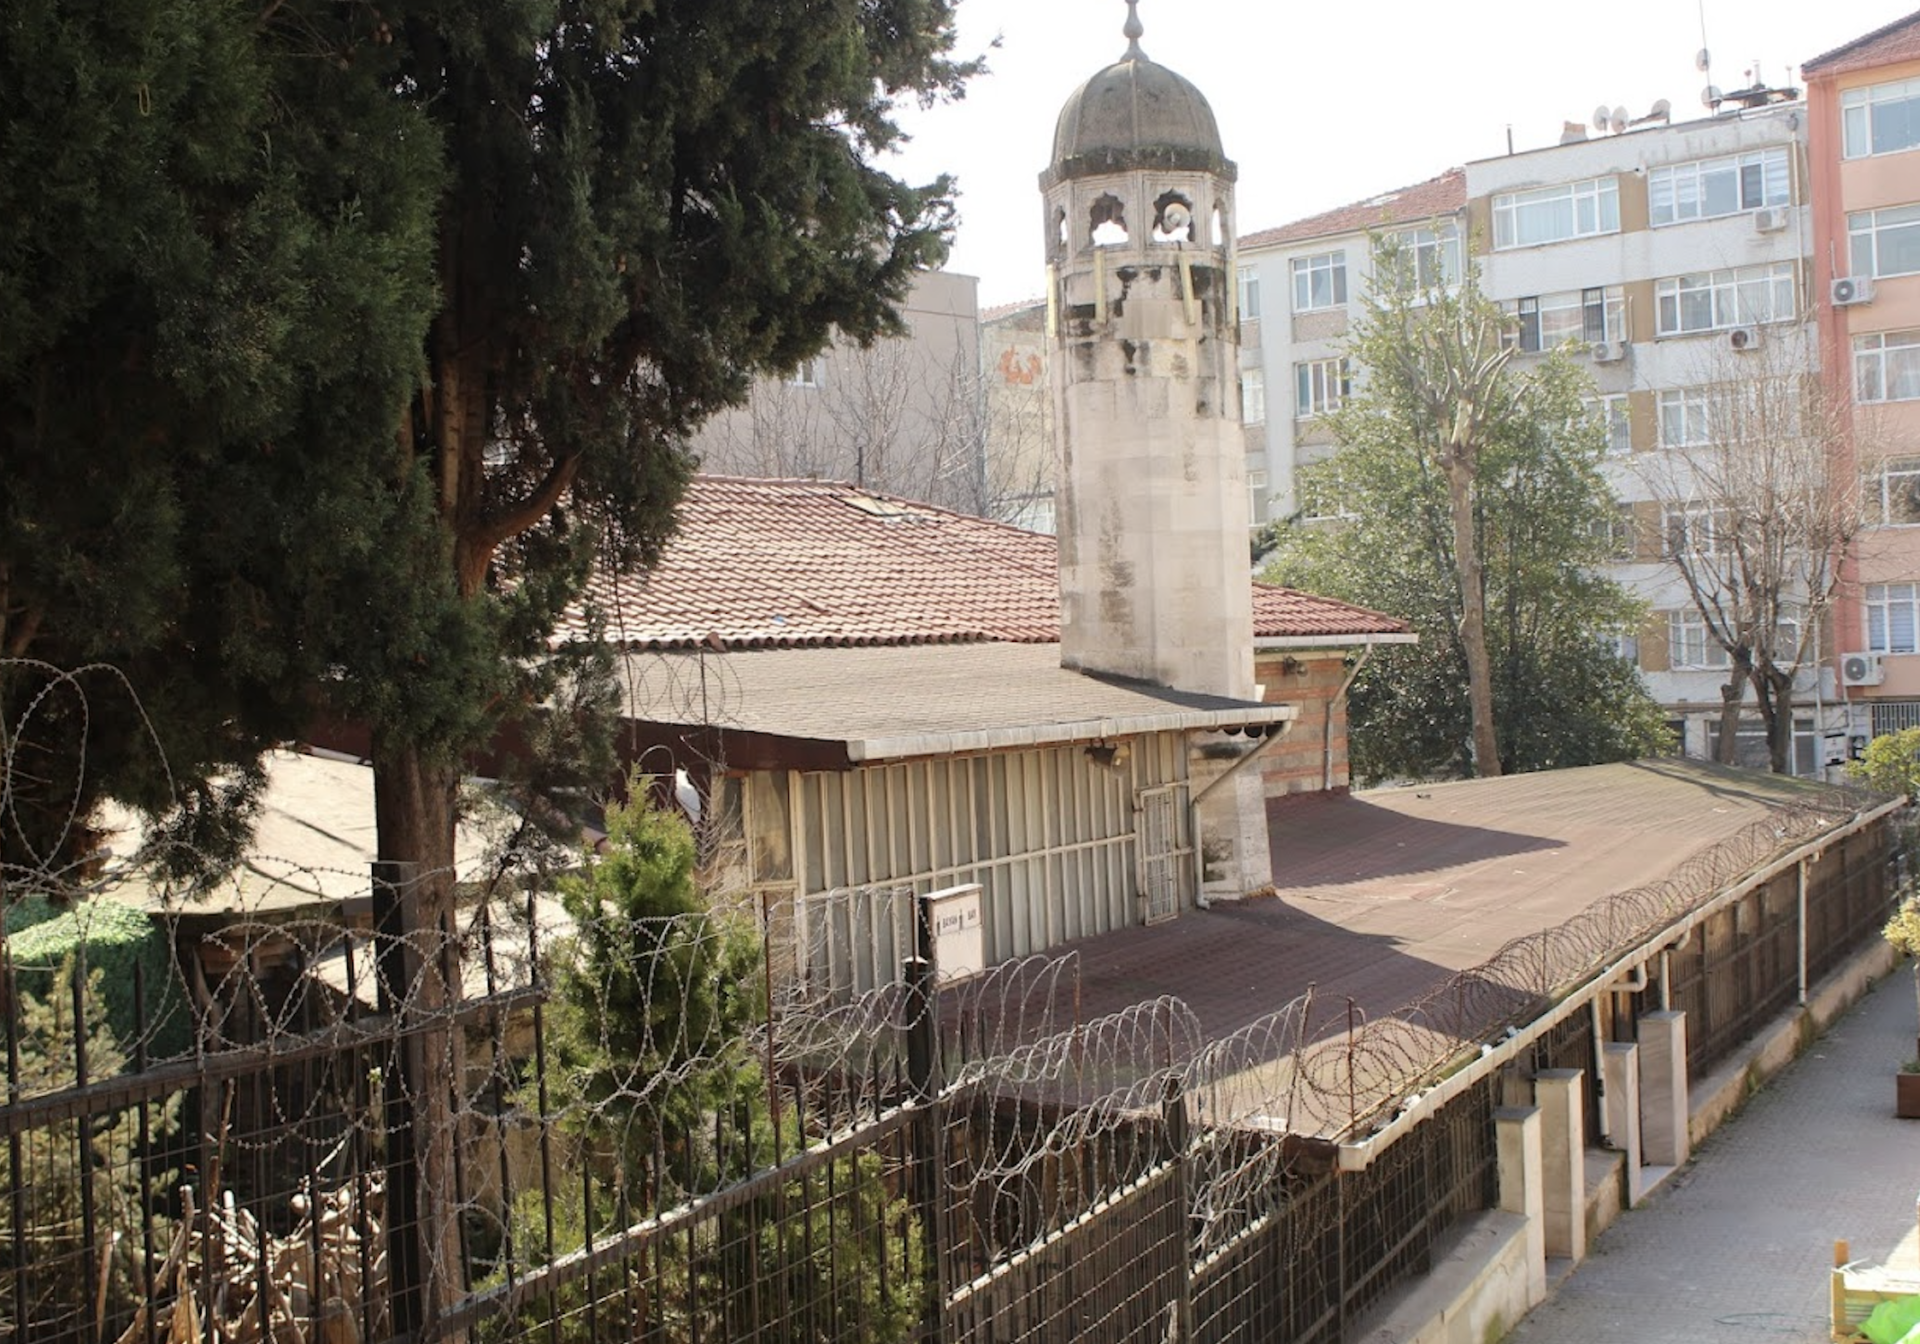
pixel 576 1071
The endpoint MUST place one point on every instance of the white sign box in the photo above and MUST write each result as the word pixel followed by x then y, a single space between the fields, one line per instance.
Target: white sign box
pixel 959 932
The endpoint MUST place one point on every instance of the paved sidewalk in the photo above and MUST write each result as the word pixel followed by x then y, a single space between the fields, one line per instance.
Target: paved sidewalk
pixel 1737 1246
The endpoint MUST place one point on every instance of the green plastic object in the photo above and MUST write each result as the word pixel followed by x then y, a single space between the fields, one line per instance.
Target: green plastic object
pixel 1895 1322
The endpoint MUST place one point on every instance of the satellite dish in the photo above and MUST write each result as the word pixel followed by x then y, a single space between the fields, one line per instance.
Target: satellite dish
pixel 1662 108
pixel 1710 96
pixel 1703 62
pixel 1619 120
pixel 1601 117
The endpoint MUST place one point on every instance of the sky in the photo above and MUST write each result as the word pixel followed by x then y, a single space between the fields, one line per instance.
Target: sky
pixel 1322 104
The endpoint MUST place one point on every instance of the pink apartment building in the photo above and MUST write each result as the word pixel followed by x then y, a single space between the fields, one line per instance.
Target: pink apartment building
pixel 1864 145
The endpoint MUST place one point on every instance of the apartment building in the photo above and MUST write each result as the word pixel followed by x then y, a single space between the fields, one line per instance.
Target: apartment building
pixel 904 415
pixel 1300 288
pixel 1675 259
pixel 1863 101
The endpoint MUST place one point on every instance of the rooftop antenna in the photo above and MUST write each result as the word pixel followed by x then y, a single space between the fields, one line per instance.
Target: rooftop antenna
pixel 1133 30
pixel 1709 96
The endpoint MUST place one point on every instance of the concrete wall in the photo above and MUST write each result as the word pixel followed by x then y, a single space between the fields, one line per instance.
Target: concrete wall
pixel 904 416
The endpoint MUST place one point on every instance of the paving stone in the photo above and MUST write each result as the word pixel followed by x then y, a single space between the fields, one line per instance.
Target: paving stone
pixel 1737 1246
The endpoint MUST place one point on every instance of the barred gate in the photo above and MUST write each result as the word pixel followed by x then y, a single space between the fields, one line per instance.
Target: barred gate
pixel 1166 852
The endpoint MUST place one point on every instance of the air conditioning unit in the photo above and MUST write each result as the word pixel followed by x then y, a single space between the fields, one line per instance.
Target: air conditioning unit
pixel 1744 338
pixel 1861 669
pixel 1770 220
pixel 1851 290
pixel 1608 352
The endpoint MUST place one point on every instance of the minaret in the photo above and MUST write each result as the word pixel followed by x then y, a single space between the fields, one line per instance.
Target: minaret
pixel 1155 580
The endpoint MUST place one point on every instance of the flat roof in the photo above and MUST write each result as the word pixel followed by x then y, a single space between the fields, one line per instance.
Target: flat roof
pixel 313 844
pixel 887 702
pixel 1380 897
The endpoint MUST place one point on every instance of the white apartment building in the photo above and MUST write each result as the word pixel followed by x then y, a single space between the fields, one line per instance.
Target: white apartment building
pixel 1301 287
pixel 1677 260
pixel 1665 254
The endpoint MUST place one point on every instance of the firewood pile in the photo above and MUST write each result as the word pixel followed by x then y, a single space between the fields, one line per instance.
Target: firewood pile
pixel 233 1282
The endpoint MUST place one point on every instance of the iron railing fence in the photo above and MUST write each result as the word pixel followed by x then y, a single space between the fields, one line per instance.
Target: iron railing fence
pixel 624 1129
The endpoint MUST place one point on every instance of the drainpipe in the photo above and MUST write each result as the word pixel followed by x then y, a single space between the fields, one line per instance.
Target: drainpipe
pixel 1275 731
pixel 1340 698
pixel 1599 1069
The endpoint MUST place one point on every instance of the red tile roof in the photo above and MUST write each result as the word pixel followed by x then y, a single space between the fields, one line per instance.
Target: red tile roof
pixel 1442 195
pixel 1885 45
pixel 773 563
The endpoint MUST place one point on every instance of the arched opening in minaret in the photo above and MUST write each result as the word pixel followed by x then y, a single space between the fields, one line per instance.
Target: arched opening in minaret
pixel 1173 218
pixel 1057 235
pixel 1108 221
pixel 1219 238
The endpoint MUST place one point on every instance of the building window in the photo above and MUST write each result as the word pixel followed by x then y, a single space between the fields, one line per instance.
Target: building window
pixel 1432 255
pixel 1893 617
pixel 1615 533
pixel 806 373
pixel 1547 321
pixel 1249 294
pixel 1319 281
pixel 1693 529
pixel 1885 242
pixel 1320 385
pixel 1886 366
pixel 1554 214
pixel 1256 497
pixel 1881 119
pixel 1253 396
pixel 1686 417
pixel 1893 493
pixel 1714 300
pixel 1323 494
pixel 1709 188
pixel 1689 646
pixel 1616 417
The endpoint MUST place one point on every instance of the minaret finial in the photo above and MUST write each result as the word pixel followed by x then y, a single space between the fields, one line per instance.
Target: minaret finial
pixel 1133 31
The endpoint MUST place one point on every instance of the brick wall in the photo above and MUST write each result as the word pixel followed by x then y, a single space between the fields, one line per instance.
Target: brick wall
pixel 1309 678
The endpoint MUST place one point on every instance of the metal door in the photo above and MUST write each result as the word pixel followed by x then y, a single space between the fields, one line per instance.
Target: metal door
pixel 1166 851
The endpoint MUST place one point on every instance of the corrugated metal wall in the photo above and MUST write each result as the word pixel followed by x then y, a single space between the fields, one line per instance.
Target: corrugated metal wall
pixel 1051 836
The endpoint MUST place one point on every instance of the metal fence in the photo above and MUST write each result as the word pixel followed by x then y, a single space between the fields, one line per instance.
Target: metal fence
pixel 1750 960
pixel 625 1129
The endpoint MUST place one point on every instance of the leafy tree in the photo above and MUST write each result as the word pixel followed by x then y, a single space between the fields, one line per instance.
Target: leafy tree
pixel 339 341
pixel 1539 524
pixel 657 1080
pixel 1890 764
pixel 216 268
pixel 1435 362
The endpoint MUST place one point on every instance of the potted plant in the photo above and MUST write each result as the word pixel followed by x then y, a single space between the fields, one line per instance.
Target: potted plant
pixel 1906 1091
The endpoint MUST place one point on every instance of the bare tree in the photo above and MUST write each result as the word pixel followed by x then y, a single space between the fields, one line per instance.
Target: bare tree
pixel 1760 504
pixel 897 417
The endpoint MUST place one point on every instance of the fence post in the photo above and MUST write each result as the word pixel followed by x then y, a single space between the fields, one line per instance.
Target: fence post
pixel 1173 1111
pixel 1801 914
pixel 927 1132
pixel 393 967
